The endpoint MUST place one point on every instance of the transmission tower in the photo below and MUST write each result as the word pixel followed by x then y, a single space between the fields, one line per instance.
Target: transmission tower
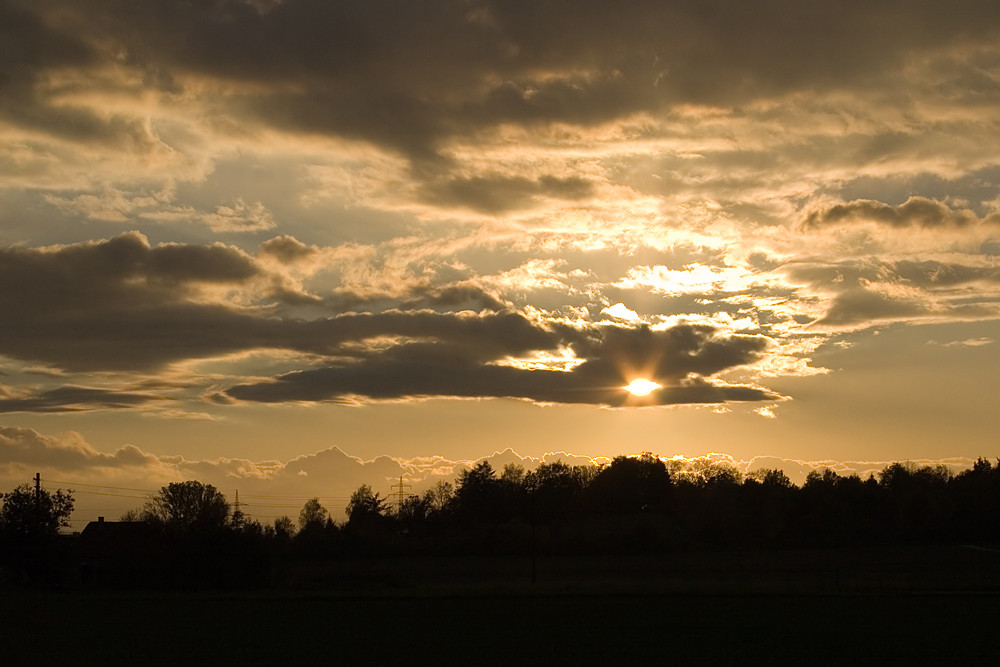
pixel 238 516
pixel 399 495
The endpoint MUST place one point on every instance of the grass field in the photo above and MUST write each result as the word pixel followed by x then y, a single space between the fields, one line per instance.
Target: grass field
pixel 261 629
pixel 800 608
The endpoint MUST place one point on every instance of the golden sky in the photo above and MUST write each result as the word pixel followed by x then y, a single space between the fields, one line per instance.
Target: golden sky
pixel 237 233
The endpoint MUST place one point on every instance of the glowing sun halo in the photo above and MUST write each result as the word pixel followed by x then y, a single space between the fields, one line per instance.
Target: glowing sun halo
pixel 641 387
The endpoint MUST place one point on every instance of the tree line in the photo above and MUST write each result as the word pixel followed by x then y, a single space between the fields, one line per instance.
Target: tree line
pixel 632 505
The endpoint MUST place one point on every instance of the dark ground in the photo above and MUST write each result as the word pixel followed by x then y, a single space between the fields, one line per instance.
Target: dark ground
pixel 832 607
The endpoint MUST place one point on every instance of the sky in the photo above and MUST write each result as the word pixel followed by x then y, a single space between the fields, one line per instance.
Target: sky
pixel 292 246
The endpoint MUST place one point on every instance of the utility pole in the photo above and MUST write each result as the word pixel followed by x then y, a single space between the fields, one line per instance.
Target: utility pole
pixel 38 496
pixel 237 513
pixel 400 495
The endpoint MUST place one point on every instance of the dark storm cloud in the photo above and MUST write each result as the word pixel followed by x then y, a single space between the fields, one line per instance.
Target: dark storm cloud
pixel 683 356
pixel 31 47
pixel 124 272
pixel 914 212
pixel 408 75
pixel 123 305
pixel 116 304
pixel 674 353
pixel 73 399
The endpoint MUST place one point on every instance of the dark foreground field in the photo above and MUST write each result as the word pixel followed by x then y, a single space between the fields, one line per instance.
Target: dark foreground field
pixel 875 608
pixel 537 629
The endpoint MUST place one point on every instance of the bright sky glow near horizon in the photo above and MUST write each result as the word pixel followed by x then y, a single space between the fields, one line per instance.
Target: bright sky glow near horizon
pixel 290 246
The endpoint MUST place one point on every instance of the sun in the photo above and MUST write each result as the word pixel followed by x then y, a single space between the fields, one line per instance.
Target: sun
pixel 642 387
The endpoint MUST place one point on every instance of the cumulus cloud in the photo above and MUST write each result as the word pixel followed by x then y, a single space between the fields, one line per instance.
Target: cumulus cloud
pixel 22 448
pixel 622 312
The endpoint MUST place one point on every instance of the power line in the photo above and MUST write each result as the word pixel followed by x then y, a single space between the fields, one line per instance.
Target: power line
pixel 259 495
pixel 104 486
pixel 245 495
pixel 113 495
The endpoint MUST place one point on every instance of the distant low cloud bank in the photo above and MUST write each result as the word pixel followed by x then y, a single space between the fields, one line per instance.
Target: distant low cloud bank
pixel 110 483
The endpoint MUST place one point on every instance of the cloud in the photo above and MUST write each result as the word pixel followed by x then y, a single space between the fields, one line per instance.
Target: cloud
pixel 857 293
pixel 969 342
pixel 686 355
pixel 622 312
pixel 453 297
pixel 914 212
pixel 355 70
pixel 124 305
pixel 109 483
pixel 497 194
pixel 119 304
pixel 864 306
pixel 240 217
pixel 73 399
pixel 116 205
pixel 23 448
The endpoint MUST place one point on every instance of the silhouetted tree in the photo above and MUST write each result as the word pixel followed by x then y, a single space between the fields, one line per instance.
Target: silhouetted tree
pixel 189 506
pixel 765 500
pixel 442 493
pixel 131 515
pixel 771 478
pixel 512 474
pixel 833 509
pixel 26 513
pixel 29 524
pixel 632 504
pixel 283 527
pixel 976 494
pixel 369 529
pixel 917 499
pixel 630 485
pixel 415 510
pixel 477 496
pixel 313 514
pixel 318 535
pixel 555 489
pixel 365 506
pixel 239 521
